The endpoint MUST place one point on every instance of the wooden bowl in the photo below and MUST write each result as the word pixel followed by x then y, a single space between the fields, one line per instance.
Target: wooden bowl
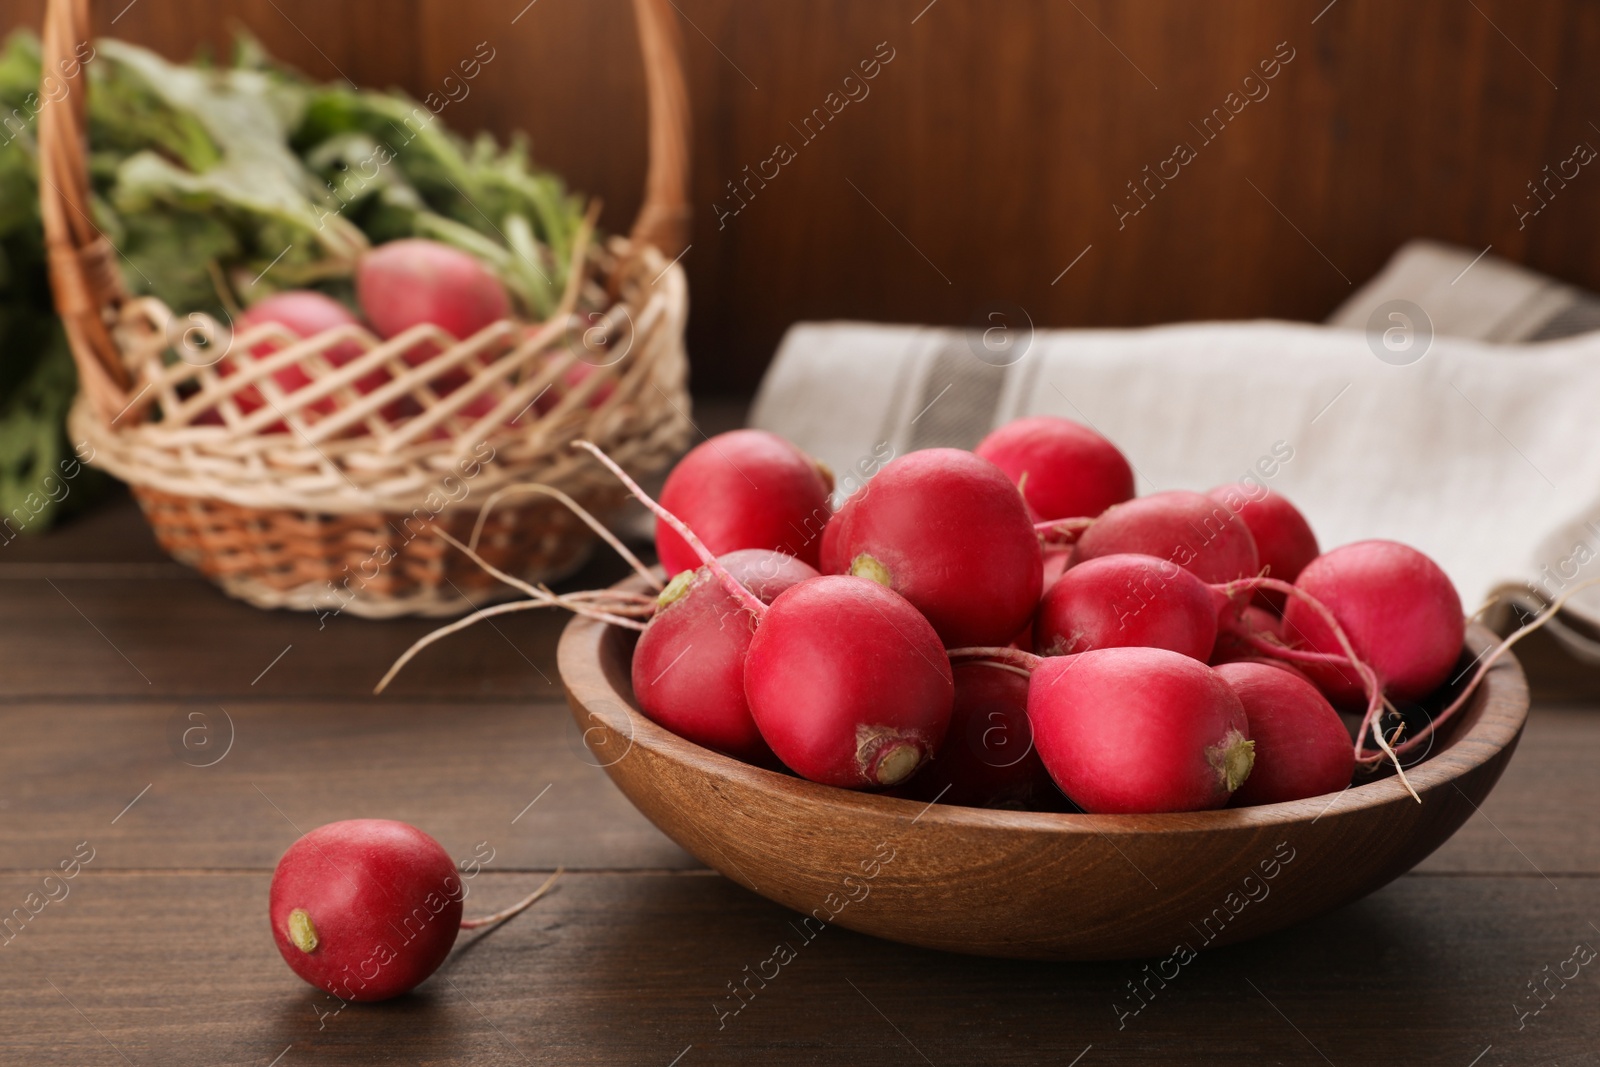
pixel 1024 884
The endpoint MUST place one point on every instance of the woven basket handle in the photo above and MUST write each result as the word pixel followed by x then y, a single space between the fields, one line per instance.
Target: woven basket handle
pixel 83 263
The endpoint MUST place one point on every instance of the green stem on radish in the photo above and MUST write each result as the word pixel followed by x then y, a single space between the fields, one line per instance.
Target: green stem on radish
pixel 747 599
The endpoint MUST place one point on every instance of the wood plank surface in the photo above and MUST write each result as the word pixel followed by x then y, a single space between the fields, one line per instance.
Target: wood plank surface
pixel 179 968
pixel 1003 140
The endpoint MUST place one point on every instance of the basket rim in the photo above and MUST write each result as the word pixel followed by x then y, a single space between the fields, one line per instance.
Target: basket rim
pixel 359 474
pixel 84 279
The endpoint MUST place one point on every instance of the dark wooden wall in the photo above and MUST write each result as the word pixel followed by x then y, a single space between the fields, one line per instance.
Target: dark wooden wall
pixel 992 148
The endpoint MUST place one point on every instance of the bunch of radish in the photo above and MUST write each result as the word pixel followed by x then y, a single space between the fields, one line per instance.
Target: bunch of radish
pixel 398 286
pixel 1012 627
pixel 1008 626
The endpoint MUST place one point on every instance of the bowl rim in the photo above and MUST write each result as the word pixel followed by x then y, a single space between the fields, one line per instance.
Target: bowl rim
pixel 1501 703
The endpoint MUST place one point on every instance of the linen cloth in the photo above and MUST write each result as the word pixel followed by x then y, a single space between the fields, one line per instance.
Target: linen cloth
pixel 1483 454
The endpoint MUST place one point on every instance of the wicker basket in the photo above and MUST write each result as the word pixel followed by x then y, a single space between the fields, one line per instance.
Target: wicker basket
pixel 329 497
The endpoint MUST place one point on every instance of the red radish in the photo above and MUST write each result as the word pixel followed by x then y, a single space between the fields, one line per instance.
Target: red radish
pixel 829 559
pixel 848 684
pixel 365 909
pixel 403 283
pixel 1127 600
pixel 573 377
pixel 1192 530
pixel 688 668
pixel 1126 730
pixel 1283 537
pixel 949 532
pixel 1302 748
pixel 1402 616
pixel 745 489
pixel 304 313
pixel 1230 646
pixel 1065 470
pixel 988 759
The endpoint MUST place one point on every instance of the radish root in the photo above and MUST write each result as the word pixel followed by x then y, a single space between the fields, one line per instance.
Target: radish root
pixel 1537 622
pixel 748 599
pixel 515 909
pixel 577 509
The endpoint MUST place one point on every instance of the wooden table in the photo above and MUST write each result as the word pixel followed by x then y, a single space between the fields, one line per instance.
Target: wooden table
pixel 158 951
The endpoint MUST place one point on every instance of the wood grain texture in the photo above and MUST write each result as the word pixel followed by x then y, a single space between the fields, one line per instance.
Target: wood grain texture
pixel 1035 885
pixel 162 949
pixel 232 785
pixel 990 151
pixel 180 969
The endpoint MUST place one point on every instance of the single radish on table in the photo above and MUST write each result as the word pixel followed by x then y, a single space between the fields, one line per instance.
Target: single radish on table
pixel 988 758
pixel 745 489
pixel 1125 600
pixel 1399 610
pixel 1064 469
pixel 846 681
pixel 949 532
pixel 1197 533
pixel 1283 537
pixel 688 668
pixel 367 909
pixel 1302 749
pixel 1128 730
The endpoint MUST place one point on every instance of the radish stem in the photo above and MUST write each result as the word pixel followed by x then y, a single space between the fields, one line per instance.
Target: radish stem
pixel 1488 661
pixel 577 509
pixel 1014 658
pixel 748 599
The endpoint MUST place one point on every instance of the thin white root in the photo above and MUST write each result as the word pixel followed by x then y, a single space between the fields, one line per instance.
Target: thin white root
pixel 1488 661
pixel 519 906
pixel 577 509
pixel 1401 771
pixel 750 601
pixel 488 613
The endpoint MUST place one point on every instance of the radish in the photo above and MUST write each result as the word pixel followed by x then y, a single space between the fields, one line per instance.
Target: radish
pixel 988 759
pixel 745 489
pixel 304 313
pixel 1064 469
pixel 403 283
pixel 949 532
pixel 846 681
pixel 1127 730
pixel 367 909
pixel 1302 749
pixel 1245 619
pixel 1126 600
pixel 1402 616
pixel 829 559
pixel 1195 532
pixel 688 668
pixel 1283 537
